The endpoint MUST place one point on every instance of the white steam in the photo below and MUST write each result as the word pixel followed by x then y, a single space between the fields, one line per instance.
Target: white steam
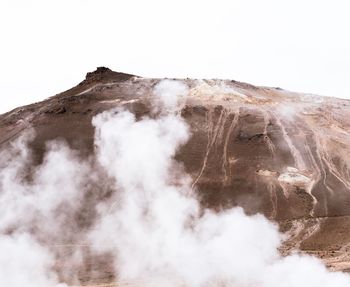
pixel 168 95
pixel 24 262
pixel 159 234
pixel 152 223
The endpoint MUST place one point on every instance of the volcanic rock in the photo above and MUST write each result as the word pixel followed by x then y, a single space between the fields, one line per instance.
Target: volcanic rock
pixel 283 154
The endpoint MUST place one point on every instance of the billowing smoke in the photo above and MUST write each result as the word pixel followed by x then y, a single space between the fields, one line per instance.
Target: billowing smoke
pixel 149 221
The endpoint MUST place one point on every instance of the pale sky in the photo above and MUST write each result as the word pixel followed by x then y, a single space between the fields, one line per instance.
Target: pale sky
pixel 47 46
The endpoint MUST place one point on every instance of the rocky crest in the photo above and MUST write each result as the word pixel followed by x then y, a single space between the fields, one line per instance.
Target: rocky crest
pixel 104 74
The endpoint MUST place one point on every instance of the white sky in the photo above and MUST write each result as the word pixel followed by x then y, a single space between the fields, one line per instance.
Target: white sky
pixel 47 46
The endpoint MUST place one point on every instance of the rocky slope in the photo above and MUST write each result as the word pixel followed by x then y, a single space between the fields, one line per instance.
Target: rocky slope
pixel 272 151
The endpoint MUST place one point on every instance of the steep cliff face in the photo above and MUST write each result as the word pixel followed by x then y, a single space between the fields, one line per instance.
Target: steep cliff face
pixel 268 150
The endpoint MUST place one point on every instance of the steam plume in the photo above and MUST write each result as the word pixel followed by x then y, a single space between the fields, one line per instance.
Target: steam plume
pixel 159 234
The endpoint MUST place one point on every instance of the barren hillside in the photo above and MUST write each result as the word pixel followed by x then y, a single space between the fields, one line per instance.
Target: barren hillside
pixel 283 154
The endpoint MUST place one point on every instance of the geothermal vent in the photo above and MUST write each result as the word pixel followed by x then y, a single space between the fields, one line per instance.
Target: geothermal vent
pixel 131 181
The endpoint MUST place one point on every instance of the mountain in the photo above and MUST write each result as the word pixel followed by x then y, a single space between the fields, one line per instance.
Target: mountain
pixel 271 151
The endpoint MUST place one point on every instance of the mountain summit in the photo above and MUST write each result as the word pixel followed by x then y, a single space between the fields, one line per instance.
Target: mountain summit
pixel 285 155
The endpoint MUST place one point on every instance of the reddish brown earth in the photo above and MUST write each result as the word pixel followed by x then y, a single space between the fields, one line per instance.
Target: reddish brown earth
pixel 272 151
